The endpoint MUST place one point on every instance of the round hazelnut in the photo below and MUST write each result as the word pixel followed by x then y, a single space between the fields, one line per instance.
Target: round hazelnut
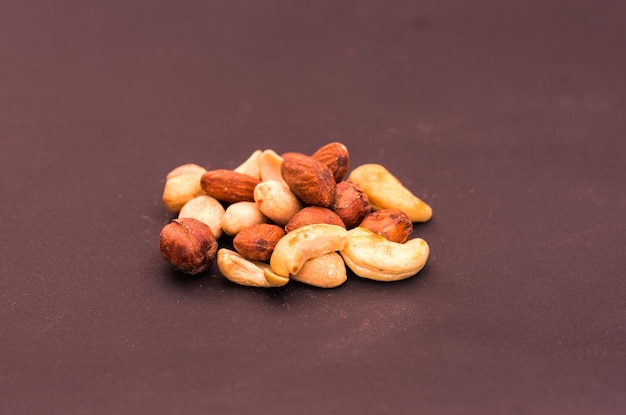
pixel 393 224
pixel 188 244
pixel 350 203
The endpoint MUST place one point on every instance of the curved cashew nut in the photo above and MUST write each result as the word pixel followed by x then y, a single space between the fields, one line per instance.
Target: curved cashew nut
pixel 385 191
pixel 373 256
pixel 242 271
pixel 302 244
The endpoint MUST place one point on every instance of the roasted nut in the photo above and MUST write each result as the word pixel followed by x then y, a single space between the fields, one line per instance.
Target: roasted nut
pixel 335 156
pixel 269 165
pixel 313 214
pixel 373 256
pixel 325 271
pixel 302 244
pixel 189 168
pixel 257 242
pixel 385 191
pixel 188 244
pixel 251 166
pixel 241 215
pixel 181 185
pixel 350 204
pixel 229 186
pixel 309 179
pixel 206 209
pixel 276 201
pixel 242 271
pixel 393 224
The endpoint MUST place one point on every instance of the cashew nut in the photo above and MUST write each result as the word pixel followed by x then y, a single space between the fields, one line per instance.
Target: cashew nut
pixel 385 191
pixel 304 243
pixel 242 271
pixel 326 271
pixel 373 256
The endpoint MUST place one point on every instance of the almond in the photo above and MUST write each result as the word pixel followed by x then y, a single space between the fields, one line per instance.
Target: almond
pixel 229 186
pixel 310 180
pixel 257 242
pixel 335 156
pixel 313 214
pixel 393 224
pixel 351 204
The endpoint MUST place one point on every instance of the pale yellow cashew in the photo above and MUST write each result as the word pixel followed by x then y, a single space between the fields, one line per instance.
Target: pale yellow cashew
pixel 385 191
pixel 373 256
pixel 242 271
pixel 304 243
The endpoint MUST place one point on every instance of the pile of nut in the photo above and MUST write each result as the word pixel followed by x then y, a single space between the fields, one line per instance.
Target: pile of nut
pixel 294 217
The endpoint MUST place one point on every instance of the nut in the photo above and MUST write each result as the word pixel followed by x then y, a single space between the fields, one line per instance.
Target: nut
pixel 325 271
pixel 241 215
pixel 242 271
pixel 310 180
pixel 188 244
pixel 351 204
pixel 269 166
pixel 335 156
pixel 313 214
pixel 276 201
pixel 229 186
pixel 302 244
pixel 189 168
pixel 181 185
pixel 374 257
pixel 257 242
pixel 393 224
pixel 251 165
pixel 385 191
pixel 206 209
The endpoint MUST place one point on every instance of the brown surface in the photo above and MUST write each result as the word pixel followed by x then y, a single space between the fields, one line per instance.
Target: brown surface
pixel 507 117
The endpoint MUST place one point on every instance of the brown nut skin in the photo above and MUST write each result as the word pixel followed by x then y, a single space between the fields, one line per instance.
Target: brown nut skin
pixel 335 155
pixel 188 244
pixel 393 224
pixel 313 214
pixel 229 186
pixel 351 204
pixel 310 180
pixel 257 242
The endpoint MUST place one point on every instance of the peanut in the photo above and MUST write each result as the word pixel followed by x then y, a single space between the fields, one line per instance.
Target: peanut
pixel 240 216
pixel 276 201
pixel 206 209
pixel 325 271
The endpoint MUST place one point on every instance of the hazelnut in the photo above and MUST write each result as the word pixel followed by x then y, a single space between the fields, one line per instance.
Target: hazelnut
pixel 393 224
pixel 188 244
pixel 350 203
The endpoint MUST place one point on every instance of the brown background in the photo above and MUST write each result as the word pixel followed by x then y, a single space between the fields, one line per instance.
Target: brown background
pixel 507 117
